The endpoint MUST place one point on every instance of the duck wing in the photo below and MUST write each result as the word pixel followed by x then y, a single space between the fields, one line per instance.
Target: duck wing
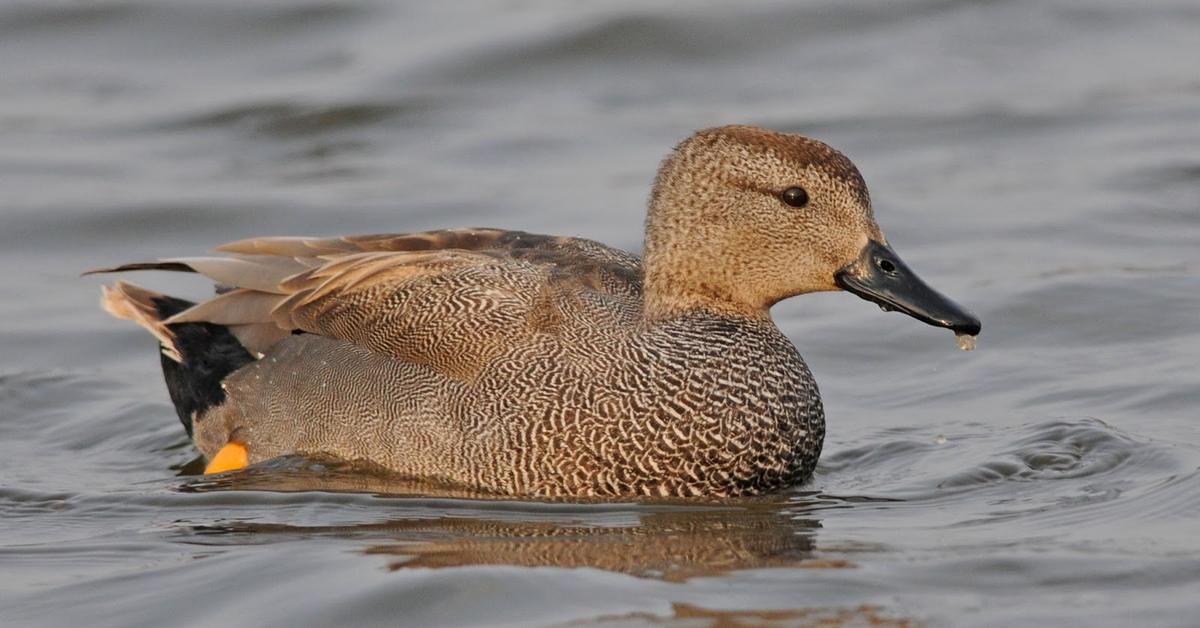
pixel 449 299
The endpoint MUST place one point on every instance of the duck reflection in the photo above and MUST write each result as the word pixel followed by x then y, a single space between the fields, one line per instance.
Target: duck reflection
pixel 672 545
pixel 447 527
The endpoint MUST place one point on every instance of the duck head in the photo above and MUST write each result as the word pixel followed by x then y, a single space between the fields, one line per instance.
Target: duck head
pixel 742 217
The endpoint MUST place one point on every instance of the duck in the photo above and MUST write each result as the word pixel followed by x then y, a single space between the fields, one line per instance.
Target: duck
pixel 520 364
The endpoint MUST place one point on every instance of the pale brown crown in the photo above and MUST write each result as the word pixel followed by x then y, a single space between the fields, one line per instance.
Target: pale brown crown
pixel 719 237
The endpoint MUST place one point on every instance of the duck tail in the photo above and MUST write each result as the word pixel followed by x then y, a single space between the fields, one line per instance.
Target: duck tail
pixel 196 357
pixel 131 302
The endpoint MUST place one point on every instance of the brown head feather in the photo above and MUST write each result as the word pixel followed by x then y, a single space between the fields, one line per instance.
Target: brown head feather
pixel 719 238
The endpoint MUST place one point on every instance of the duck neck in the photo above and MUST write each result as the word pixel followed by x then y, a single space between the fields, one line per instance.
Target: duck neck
pixel 688 272
pixel 670 292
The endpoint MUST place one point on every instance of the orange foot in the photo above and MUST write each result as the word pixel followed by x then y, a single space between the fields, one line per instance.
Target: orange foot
pixel 232 456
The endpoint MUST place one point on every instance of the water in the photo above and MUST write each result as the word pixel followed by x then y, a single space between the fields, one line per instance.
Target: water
pixel 1037 161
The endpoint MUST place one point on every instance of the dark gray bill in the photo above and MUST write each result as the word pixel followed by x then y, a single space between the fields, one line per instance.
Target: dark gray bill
pixel 880 276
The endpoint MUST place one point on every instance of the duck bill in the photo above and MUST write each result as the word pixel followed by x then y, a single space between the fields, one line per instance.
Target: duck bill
pixel 880 276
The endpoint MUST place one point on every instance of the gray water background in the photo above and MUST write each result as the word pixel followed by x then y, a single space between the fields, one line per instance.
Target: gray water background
pixel 1039 161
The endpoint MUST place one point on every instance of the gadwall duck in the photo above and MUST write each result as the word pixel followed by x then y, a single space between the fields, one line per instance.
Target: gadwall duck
pixel 523 364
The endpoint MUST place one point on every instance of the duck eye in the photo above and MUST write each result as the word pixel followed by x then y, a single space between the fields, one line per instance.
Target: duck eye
pixel 796 197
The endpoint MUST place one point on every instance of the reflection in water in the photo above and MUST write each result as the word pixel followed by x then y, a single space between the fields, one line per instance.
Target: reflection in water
pixel 446 527
pixel 673 545
pixel 688 615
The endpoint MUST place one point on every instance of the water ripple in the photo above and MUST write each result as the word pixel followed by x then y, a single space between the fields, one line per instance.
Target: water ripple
pixel 290 119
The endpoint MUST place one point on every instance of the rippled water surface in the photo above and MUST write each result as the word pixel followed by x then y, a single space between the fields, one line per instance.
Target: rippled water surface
pixel 1040 161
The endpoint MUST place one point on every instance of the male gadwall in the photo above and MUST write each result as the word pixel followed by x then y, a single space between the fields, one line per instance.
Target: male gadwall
pixel 524 364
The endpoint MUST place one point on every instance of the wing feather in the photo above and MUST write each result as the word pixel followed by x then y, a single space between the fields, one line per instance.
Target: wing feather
pixel 449 299
pixel 236 307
